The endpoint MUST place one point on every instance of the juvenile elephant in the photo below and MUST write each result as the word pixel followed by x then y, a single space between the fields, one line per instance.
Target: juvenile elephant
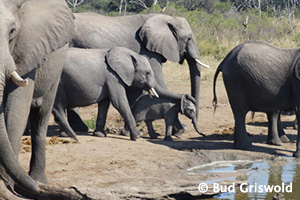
pixel 159 37
pixel 261 77
pixel 101 76
pixel 149 109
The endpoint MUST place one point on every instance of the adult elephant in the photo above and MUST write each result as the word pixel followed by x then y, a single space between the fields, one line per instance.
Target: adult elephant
pixel 33 40
pixel 101 76
pixel 261 77
pixel 159 37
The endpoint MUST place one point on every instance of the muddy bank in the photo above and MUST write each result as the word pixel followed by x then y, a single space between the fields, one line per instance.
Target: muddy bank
pixel 117 168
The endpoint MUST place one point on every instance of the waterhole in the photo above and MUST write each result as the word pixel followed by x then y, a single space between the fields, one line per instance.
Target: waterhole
pixel 259 179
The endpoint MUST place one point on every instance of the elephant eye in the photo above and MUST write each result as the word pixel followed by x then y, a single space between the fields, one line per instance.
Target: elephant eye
pixel 188 39
pixel 12 31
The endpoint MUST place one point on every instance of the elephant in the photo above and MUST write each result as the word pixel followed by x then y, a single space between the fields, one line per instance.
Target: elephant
pixel 260 77
pixel 159 37
pixel 101 76
pixel 276 134
pixel 149 109
pixel 34 37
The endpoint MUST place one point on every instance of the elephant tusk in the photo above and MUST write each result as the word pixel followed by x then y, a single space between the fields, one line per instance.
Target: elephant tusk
pixel 152 92
pixel 150 95
pixel 15 77
pixel 201 63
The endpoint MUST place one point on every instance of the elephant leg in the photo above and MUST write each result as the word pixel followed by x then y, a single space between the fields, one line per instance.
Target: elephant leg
pixel 283 137
pixel 240 107
pixel 178 128
pixel 169 127
pixel 75 121
pixel 60 118
pixel 59 114
pixel 38 140
pixel 241 138
pixel 101 118
pixel 151 131
pixel 39 118
pixel 296 124
pixel 120 102
pixel 132 96
pixel 273 134
pixel 297 152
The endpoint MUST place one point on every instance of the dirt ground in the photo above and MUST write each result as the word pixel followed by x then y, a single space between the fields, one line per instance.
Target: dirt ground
pixel 117 168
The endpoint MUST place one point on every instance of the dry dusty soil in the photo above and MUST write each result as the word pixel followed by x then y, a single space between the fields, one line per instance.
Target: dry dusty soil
pixel 117 168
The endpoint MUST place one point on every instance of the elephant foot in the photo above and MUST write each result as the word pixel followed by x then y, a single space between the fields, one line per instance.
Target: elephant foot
pixel 175 129
pixel 179 133
pixel 80 127
pixel 99 134
pixel 168 138
pixel 296 154
pixel 153 135
pixel 284 139
pixel 244 146
pixel 39 177
pixel 125 132
pixel 133 137
pixel 276 142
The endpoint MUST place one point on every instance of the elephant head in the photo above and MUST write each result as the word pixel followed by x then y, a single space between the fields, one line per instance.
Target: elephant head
pixel 132 68
pixel 30 30
pixel 188 108
pixel 172 37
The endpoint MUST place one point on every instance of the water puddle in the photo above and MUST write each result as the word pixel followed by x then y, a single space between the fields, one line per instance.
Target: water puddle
pixel 260 179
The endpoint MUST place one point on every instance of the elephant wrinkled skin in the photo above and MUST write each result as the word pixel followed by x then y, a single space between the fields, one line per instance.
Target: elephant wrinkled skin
pixel 101 76
pixel 158 37
pixel 261 77
pixel 148 109
pixel 33 37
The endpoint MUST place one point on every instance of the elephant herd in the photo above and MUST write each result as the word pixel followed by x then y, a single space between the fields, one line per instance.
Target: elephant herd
pixel 52 60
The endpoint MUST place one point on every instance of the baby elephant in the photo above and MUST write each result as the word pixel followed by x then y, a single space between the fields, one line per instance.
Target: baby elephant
pixel 101 76
pixel 149 109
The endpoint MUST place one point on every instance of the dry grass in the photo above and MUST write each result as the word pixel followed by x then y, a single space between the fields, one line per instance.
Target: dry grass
pixel 174 73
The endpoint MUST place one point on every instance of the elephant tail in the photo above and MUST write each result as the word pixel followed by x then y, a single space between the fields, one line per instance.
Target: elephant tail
pixel 215 100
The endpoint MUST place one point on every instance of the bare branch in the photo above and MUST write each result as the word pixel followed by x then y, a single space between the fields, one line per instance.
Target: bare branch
pixel 75 3
pixel 141 3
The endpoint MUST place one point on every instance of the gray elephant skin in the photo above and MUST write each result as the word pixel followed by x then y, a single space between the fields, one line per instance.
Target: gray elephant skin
pixel 101 76
pixel 149 109
pixel 158 37
pixel 33 37
pixel 261 77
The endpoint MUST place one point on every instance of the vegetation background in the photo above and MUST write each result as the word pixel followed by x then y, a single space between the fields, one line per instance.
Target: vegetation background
pixel 218 25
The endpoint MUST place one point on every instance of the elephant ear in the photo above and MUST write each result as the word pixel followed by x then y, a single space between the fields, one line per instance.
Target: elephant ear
pixel 159 35
pixel 297 68
pixel 121 60
pixel 45 26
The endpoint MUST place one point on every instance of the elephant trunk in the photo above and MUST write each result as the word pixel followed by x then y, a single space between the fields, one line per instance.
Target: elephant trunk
pixel 195 76
pixel 8 158
pixel 192 56
pixel 194 121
